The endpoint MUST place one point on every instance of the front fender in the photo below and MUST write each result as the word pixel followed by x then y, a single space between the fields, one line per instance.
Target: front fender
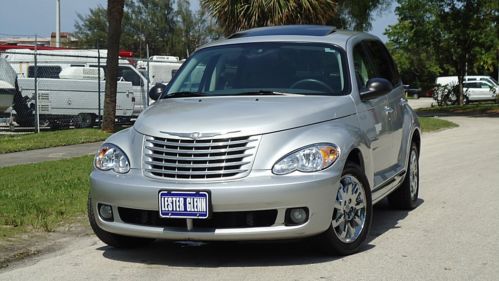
pixel 131 143
pixel 343 132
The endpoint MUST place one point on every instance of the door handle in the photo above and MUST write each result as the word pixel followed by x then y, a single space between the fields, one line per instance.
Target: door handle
pixel 388 110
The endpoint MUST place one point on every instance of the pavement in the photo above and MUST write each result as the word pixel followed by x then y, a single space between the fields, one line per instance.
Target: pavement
pixel 421 102
pixel 47 154
pixel 451 235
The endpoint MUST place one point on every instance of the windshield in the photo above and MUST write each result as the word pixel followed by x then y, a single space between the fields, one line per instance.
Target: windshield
pixel 263 68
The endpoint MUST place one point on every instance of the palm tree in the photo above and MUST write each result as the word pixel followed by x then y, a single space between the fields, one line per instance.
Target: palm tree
pixel 235 15
pixel 114 17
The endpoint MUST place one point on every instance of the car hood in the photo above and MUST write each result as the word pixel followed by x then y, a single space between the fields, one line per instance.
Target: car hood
pixel 240 115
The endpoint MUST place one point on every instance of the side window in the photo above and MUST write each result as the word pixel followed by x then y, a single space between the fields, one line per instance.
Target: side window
pixel 383 62
pixel 472 85
pixel 129 75
pixel 363 68
pixel 485 85
pixel 45 71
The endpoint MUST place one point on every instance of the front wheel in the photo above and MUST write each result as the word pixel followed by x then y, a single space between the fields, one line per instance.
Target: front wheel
pixel 352 213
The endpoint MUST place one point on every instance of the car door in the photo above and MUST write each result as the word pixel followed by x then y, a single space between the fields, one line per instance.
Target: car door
pixel 393 111
pixel 476 91
pixel 373 118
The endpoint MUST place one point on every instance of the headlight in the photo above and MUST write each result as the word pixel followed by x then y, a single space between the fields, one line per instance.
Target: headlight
pixel 311 158
pixel 112 157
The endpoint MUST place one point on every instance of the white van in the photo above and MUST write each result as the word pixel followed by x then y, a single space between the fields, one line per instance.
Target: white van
pixel 52 62
pixel 71 99
pixel 453 80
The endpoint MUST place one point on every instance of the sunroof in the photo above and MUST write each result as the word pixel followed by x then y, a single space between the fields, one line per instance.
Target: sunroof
pixel 309 30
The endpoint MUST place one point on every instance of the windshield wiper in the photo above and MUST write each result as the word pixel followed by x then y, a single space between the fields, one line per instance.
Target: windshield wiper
pixel 261 93
pixel 185 94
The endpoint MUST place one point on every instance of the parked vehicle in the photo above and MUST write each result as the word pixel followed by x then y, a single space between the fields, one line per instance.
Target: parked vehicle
pixel 275 133
pixel 453 80
pixel 52 62
pixel 7 86
pixel 72 100
pixel 161 68
pixel 412 92
pixel 479 91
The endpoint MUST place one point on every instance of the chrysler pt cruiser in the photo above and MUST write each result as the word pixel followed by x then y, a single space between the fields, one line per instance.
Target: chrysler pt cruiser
pixel 274 133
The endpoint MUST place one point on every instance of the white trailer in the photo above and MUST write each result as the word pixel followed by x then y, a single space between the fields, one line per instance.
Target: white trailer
pixel 50 63
pixel 71 101
pixel 161 68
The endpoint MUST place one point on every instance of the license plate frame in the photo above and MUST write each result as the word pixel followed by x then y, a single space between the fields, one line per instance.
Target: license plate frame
pixel 175 204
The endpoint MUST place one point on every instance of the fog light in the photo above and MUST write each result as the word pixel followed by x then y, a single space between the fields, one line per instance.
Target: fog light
pixel 296 216
pixel 106 212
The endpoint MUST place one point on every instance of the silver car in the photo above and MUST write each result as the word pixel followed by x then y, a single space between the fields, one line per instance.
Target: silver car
pixel 274 133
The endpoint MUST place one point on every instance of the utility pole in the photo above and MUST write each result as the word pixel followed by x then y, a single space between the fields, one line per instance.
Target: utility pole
pixel 58 23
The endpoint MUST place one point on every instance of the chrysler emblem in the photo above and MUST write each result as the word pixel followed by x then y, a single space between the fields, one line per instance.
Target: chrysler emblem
pixel 197 135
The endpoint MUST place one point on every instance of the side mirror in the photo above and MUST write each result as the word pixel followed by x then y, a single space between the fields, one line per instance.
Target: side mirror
pixel 156 91
pixel 376 87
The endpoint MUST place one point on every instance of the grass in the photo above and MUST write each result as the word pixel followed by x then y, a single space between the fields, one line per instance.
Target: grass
pixel 14 143
pixel 471 109
pixel 40 196
pixel 431 124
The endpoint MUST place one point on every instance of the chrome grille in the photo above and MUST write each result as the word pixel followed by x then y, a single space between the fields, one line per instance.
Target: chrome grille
pixel 217 158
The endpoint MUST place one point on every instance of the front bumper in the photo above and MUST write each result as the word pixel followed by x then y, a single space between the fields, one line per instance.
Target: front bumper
pixel 261 190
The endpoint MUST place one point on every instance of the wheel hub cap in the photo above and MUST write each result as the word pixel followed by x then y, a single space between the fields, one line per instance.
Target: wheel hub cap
pixel 413 173
pixel 349 214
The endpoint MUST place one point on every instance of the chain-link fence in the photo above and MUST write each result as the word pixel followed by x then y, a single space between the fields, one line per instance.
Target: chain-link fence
pixel 58 89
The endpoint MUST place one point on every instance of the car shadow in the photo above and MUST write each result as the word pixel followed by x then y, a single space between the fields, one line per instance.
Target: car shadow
pixel 247 254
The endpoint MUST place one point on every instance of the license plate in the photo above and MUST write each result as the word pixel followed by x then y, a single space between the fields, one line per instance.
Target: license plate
pixel 184 204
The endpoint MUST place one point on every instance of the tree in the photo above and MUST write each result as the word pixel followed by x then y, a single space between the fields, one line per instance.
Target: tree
pixel 417 59
pixel 451 37
pixel 114 15
pixel 235 15
pixel 91 30
pixel 357 15
pixel 157 23
pixel 195 28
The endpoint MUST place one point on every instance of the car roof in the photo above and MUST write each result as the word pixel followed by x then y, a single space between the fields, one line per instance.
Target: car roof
pixel 293 33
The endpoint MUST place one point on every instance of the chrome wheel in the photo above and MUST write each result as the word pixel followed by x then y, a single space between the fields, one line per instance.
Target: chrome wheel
pixel 414 174
pixel 349 215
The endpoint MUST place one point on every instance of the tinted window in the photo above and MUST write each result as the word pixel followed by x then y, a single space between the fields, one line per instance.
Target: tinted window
pixel 282 67
pixel 364 70
pixel 128 74
pixel 385 67
pixel 45 71
pixel 485 85
pixel 471 85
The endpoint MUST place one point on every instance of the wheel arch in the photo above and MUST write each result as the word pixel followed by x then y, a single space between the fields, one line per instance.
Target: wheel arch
pixel 355 156
pixel 416 138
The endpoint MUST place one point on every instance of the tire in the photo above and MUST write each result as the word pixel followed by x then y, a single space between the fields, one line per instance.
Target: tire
pixel 86 120
pixel 111 239
pixel 331 241
pixel 405 197
pixel 466 100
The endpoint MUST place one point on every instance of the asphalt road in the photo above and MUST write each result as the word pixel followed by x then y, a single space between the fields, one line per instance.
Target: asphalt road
pixel 451 235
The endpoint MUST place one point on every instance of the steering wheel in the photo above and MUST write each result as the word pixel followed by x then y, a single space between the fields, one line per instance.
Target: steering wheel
pixel 310 80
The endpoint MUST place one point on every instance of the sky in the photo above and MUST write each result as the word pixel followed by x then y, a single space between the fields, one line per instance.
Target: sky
pixel 29 17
